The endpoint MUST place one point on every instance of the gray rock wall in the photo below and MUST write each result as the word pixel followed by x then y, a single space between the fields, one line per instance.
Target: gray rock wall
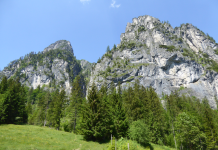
pixel 158 67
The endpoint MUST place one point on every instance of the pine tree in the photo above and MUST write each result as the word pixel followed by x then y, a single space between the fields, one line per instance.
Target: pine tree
pixel 97 123
pixel 108 49
pixel 156 126
pixel 56 108
pixel 13 103
pixel 3 85
pixel 209 126
pixel 121 121
pixel 77 99
pixel 172 110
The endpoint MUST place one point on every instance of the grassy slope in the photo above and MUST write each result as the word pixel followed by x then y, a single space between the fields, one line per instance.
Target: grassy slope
pixel 33 137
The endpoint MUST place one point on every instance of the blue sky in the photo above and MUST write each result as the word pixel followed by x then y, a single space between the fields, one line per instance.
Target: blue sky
pixel 90 25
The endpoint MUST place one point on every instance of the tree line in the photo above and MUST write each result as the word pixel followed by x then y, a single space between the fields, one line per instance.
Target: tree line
pixel 136 113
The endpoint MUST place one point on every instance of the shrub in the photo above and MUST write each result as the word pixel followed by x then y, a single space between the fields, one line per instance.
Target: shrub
pixel 108 69
pixel 141 28
pixel 216 51
pixel 122 144
pixel 131 45
pixel 205 55
pixel 140 132
pixel 169 48
pixel 180 39
pixel 99 60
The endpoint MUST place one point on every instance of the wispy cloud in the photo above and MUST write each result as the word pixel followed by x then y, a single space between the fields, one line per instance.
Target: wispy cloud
pixel 113 4
pixel 84 1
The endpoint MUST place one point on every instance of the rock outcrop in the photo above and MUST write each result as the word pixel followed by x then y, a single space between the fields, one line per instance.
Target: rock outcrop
pixel 61 44
pixel 55 67
pixel 166 58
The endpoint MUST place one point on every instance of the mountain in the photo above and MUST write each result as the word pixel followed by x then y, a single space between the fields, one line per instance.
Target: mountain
pixel 55 67
pixel 182 58
pixel 166 58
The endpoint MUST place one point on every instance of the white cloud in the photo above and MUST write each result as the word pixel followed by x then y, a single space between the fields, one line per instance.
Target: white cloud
pixel 84 1
pixel 113 4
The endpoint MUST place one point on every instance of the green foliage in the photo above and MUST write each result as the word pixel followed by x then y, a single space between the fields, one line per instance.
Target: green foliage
pixel 141 29
pixel 12 102
pixel 108 69
pixel 202 59
pixel 140 132
pixel 188 131
pixel 45 58
pixel 99 60
pixel 96 121
pixel 57 106
pixel 108 49
pixel 122 144
pixel 26 137
pixel 74 109
pixel 169 48
pixel 183 122
pixel 181 88
pixel 109 55
pixel 216 51
pixel 114 47
pixel 210 38
pixel 180 40
pixel 129 45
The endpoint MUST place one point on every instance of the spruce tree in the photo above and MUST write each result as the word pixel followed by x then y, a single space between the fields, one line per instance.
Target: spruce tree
pixel 209 126
pixel 3 85
pixel 121 121
pixel 56 108
pixel 76 100
pixel 13 103
pixel 97 123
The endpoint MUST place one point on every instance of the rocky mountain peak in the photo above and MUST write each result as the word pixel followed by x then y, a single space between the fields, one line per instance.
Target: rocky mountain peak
pixel 61 44
pixel 183 58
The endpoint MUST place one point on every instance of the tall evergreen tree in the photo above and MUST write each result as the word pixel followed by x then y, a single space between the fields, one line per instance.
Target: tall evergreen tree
pixel 209 126
pixel 56 108
pixel 97 123
pixel 13 103
pixel 121 121
pixel 3 85
pixel 76 100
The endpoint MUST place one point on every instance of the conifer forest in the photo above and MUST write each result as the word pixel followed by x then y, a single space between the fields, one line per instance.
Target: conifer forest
pixel 135 113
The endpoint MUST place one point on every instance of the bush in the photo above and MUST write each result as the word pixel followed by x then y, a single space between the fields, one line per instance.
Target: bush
pixel 141 28
pixel 140 132
pixel 216 51
pixel 205 55
pixel 99 60
pixel 108 69
pixel 131 45
pixel 169 48
pixel 180 39
pixel 122 144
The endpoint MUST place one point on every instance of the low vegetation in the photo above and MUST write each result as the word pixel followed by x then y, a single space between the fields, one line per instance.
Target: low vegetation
pixel 170 48
pixel 34 137
pixel 182 122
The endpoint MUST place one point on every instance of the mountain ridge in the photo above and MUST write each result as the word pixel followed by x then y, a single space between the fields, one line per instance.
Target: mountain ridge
pixel 166 58
pixel 182 58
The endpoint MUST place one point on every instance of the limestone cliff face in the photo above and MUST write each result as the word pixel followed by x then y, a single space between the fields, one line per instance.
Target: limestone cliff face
pixel 166 58
pixel 55 67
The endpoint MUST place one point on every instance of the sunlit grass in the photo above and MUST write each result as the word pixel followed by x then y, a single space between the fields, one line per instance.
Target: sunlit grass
pixel 28 137
pixel 33 137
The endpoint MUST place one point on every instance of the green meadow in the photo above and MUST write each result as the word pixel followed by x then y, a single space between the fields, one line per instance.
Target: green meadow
pixel 29 137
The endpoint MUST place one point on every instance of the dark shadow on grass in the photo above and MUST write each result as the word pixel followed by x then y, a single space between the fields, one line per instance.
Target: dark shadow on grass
pixel 147 145
pixel 100 142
